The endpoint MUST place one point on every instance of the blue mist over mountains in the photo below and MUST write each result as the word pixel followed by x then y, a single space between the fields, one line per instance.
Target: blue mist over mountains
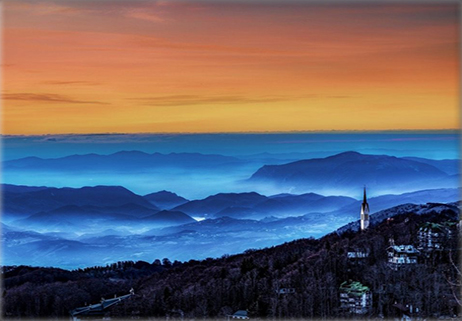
pixel 174 161
pixel 82 200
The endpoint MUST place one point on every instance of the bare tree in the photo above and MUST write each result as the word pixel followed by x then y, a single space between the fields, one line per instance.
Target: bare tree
pixel 455 282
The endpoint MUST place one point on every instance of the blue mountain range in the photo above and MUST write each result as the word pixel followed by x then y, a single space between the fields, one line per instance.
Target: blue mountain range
pixel 346 171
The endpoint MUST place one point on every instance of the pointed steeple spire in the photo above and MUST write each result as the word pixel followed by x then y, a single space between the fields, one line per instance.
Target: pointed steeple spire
pixel 364 212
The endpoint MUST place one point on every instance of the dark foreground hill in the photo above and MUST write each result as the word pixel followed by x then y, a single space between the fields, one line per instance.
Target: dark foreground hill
pixel 217 287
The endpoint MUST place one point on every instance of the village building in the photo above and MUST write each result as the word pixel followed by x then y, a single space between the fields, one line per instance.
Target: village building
pixel 406 312
pixel 355 298
pixel 401 255
pixel 99 310
pixel 436 237
pixel 357 253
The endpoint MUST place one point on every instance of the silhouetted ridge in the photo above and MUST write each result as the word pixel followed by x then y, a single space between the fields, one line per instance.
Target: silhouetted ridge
pixel 121 161
pixel 170 217
pixel 165 199
pixel 348 170
pixel 46 199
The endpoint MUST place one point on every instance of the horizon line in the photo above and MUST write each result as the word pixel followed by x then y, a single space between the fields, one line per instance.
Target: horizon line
pixel 238 133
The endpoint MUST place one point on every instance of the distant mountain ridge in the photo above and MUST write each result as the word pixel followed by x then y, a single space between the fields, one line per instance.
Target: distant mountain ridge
pixel 170 217
pixel 256 206
pixel 165 199
pixel 9 188
pixel 90 219
pixel 215 203
pixel 346 171
pixel 449 166
pixel 116 201
pixel 121 161
pixel 50 198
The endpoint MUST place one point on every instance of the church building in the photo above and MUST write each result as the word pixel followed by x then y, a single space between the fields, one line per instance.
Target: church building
pixel 364 212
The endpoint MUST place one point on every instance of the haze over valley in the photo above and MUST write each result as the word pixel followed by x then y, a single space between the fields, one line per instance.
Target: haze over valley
pixel 91 209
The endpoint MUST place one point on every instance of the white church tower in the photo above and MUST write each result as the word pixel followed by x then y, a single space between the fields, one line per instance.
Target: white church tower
pixel 364 212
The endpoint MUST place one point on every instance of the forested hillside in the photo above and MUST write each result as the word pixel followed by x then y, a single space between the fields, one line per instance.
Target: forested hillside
pixel 250 281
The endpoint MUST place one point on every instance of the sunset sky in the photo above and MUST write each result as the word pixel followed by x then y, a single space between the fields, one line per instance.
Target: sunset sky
pixel 165 66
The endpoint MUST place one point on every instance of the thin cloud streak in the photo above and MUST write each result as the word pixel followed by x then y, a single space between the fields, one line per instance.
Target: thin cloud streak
pixel 71 82
pixel 185 100
pixel 52 98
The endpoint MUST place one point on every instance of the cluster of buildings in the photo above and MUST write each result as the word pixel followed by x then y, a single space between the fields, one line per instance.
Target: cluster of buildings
pixel 432 238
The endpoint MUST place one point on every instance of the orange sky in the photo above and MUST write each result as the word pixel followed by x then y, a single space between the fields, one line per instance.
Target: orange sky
pixel 164 66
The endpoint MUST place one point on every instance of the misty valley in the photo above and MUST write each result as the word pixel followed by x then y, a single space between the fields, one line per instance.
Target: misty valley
pixel 259 202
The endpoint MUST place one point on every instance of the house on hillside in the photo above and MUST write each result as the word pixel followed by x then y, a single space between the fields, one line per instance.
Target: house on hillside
pixel 98 311
pixel 401 255
pixel 357 253
pixel 436 237
pixel 406 312
pixel 355 298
